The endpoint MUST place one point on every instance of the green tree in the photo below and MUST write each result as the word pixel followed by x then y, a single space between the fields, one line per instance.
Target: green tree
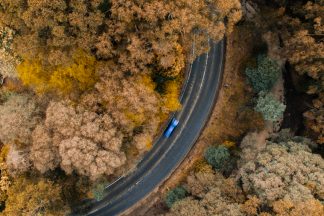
pixel 175 195
pixel 98 191
pixel 270 108
pixel 217 156
pixel 265 75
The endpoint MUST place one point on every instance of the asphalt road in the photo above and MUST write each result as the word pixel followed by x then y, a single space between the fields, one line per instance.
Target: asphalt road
pixel 198 98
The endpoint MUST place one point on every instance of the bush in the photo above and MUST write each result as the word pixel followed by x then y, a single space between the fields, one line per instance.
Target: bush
pixel 270 108
pixel 98 191
pixel 175 195
pixel 265 75
pixel 217 156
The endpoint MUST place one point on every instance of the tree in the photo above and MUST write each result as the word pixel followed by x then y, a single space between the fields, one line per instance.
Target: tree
pixel 314 119
pixel 8 58
pixel 187 207
pixel 118 30
pixel 284 178
pixel 250 206
pixel 302 34
pixel 251 145
pixel 39 197
pixel 217 156
pixel 19 115
pixel 77 139
pixel 286 169
pixel 5 178
pixel 216 196
pixel 86 158
pixel 80 75
pixel 17 161
pixel 133 104
pixel 43 153
pixel 269 107
pixel 308 207
pixel 98 191
pixel 265 75
pixel 68 26
pixel 171 96
pixel 175 195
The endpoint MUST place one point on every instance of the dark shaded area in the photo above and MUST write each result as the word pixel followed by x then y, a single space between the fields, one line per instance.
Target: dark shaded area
pixel 297 103
pixel 104 7
pixel 160 81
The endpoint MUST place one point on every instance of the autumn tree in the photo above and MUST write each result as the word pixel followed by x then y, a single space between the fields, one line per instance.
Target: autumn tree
pixel 8 59
pixel 102 55
pixel 5 178
pixel 55 38
pixel 307 207
pixel 40 197
pixel 17 161
pixel 141 36
pixel 134 104
pixel 282 178
pixel 78 140
pixel 19 115
pixel 285 169
pixel 119 111
pixel 77 76
pixel 217 196
pixel 302 33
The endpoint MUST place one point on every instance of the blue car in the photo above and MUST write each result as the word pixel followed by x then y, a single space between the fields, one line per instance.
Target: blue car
pixel 173 124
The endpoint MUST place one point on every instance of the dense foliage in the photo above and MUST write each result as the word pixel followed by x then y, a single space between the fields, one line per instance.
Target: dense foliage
pixel 265 75
pixel 270 108
pixel 302 34
pixel 140 37
pixel 19 116
pixel 284 178
pixel 40 197
pixel 175 195
pixel 217 156
pixel 106 53
pixel 98 191
pixel 286 169
pixel 79 75
pixel 5 180
pixel 93 66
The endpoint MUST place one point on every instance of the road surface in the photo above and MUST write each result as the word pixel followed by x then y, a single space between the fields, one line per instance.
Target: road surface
pixel 198 98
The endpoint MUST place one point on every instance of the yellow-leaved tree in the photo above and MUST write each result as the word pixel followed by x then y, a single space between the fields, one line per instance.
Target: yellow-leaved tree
pixel 40 197
pixel 77 76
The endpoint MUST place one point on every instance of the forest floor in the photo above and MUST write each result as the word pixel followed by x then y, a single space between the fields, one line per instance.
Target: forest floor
pixel 230 120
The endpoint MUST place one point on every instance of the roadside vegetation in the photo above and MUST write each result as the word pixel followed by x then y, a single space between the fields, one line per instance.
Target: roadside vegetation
pixel 85 87
pixel 276 168
pixel 285 178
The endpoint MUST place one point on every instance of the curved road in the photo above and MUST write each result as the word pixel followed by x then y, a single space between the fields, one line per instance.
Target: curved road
pixel 198 98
